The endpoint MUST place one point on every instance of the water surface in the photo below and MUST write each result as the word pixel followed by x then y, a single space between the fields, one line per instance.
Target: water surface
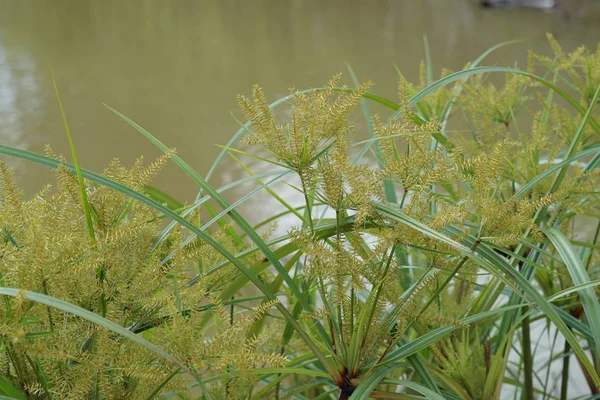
pixel 176 67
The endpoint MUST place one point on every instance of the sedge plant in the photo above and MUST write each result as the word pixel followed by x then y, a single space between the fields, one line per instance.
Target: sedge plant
pixel 417 263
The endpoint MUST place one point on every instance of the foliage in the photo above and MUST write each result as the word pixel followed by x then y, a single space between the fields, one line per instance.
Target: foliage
pixel 420 262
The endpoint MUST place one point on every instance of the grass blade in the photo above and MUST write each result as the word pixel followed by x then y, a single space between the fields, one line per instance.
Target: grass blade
pixel 162 197
pixel 429 394
pixel 365 387
pixel 556 167
pixel 398 215
pixel 458 89
pixel 462 75
pixel 84 199
pixel 578 273
pixel 191 208
pixel 492 262
pixel 96 319
pixel 575 142
pixel 428 66
pixel 235 216
pixel 238 219
pixel 8 389
pixel 484 70
pixel 389 190
pixel 254 278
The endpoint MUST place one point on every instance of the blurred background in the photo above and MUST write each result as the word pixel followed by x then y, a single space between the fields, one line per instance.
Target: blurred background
pixel 175 67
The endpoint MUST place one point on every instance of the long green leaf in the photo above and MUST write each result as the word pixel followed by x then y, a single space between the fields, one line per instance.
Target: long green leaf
pixel 435 335
pixel 398 215
pixel 84 199
pixel 484 70
pixel 162 197
pixel 235 216
pixel 388 185
pixel 8 389
pixel 256 280
pixel 589 300
pixel 556 167
pixel 270 371
pixel 96 319
pixel 458 89
pixel 190 209
pixel 429 394
pixel 428 66
pixel 528 269
pixel 358 336
pixel 244 225
pixel 367 385
pixel 493 262
pixel 587 117
pixel 462 75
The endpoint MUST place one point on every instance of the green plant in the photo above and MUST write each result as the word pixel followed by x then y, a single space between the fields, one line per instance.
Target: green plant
pixel 420 259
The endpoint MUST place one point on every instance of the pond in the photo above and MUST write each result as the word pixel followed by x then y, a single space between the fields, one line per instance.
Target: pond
pixel 176 67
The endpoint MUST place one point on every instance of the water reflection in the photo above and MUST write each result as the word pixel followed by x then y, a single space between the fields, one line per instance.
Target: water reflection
pixel 18 96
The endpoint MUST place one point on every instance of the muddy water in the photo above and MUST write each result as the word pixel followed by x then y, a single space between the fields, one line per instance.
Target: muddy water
pixel 175 67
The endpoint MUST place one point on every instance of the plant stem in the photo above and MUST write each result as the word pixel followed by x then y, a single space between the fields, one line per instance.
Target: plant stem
pixel 306 200
pixel 433 297
pixel 403 197
pixel 527 360
pixel 596 235
pixel 564 387
pixel 227 386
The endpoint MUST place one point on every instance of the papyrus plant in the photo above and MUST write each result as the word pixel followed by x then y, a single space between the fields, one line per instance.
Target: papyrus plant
pixel 416 263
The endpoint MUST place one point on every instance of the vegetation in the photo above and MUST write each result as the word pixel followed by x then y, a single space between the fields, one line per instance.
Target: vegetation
pixel 420 261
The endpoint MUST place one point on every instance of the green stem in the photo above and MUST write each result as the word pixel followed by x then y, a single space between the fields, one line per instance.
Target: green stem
pixel 18 367
pixel 437 292
pixel 431 299
pixel 163 383
pixel 404 194
pixel 48 310
pixel 564 387
pixel 352 302
pixel 376 301
pixel 227 386
pixel 527 361
pixel 596 235
pixel 306 200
